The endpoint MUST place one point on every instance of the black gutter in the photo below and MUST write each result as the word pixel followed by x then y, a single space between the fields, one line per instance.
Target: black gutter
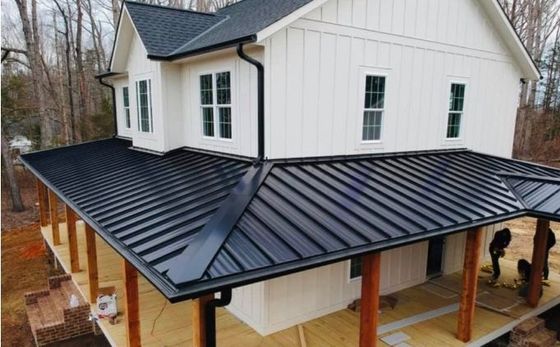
pixel 210 315
pixel 100 78
pixel 205 49
pixel 260 97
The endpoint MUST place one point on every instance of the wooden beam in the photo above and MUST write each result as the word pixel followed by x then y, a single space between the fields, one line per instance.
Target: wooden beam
pixel 369 307
pixel 72 239
pixel 92 264
pixel 43 197
pixel 131 305
pixel 199 320
pixel 470 282
pixel 53 203
pixel 537 262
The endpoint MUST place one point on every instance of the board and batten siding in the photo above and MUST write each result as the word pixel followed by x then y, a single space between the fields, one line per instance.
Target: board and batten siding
pixel 244 102
pixel 315 69
pixel 280 303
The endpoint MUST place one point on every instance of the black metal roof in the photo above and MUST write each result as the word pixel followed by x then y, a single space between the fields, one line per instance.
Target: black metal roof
pixel 198 222
pixel 169 33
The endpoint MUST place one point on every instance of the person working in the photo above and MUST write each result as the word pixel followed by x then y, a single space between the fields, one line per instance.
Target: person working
pixel 550 242
pixel 524 270
pixel 499 243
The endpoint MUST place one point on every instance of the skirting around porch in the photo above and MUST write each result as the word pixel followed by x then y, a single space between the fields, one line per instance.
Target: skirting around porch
pixel 163 323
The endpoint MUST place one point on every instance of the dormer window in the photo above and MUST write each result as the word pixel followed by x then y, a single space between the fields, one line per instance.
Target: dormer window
pixel 144 102
pixel 215 102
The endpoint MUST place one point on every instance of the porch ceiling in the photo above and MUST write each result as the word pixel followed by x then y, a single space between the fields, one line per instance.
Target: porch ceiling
pixel 195 222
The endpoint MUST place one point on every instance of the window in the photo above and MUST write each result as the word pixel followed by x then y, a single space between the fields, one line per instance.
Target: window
pixel 144 102
pixel 373 108
pixel 455 115
pixel 215 99
pixel 355 268
pixel 126 103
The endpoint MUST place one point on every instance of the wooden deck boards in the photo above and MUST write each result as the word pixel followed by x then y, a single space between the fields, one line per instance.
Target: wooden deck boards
pixel 166 324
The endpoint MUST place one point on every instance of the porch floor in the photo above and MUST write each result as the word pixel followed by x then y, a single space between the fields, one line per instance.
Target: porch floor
pixel 166 324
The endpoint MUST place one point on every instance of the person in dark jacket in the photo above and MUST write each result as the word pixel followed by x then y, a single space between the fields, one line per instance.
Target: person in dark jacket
pixel 499 243
pixel 550 242
pixel 524 270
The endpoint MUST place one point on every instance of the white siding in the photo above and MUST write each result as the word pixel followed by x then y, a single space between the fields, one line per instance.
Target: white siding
pixel 244 103
pixel 314 72
pixel 282 302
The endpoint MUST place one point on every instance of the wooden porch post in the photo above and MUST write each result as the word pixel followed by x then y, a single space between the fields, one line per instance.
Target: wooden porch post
pixel 369 311
pixel 199 320
pixel 72 239
pixel 470 282
pixel 131 304
pixel 537 262
pixel 53 202
pixel 92 264
pixel 43 203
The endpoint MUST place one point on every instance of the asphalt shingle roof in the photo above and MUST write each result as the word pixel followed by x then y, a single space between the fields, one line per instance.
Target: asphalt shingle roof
pixel 168 33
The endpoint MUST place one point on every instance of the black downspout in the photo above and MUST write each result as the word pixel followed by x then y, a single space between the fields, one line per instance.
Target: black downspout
pixel 260 98
pixel 114 104
pixel 210 313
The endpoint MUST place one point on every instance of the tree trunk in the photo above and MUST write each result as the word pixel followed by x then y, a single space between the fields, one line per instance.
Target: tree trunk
pixel 32 38
pixel 10 176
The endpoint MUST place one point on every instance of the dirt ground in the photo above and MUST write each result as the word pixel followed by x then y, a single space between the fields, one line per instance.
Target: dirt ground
pixel 523 230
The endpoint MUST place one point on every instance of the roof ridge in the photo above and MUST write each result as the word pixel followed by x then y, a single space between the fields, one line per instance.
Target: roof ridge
pixel 213 26
pixel 201 252
pixel 169 8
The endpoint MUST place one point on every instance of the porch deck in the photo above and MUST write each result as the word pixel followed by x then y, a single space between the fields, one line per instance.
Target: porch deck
pixel 165 324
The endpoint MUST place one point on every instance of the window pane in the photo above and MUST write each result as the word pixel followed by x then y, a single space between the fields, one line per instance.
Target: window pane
pixel 127 117
pixel 208 121
pixel 206 96
pixel 453 125
pixel 125 97
pixel 371 130
pixel 355 267
pixel 375 92
pixel 225 122
pixel 143 90
pixel 456 97
pixel 223 88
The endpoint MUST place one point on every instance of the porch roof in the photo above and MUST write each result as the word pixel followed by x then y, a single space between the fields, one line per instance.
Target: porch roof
pixel 195 222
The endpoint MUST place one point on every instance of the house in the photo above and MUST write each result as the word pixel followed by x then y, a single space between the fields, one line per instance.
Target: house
pixel 295 155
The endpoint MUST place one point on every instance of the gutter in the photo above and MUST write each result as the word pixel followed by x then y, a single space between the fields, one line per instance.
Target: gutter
pixel 210 315
pixel 103 83
pixel 260 96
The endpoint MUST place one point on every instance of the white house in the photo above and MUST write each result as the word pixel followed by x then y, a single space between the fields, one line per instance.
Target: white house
pixel 342 77
pixel 266 147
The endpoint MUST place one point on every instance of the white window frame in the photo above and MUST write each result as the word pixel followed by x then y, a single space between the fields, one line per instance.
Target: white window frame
pixel 150 105
pixel 349 272
pixel 215 106
pixel 455 141
pixel 127 115
pixel 363 72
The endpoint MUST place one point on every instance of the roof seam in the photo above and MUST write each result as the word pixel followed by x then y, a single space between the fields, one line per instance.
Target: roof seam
pixel 178 50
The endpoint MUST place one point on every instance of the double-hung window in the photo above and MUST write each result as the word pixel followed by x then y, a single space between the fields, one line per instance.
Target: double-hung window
pixel 355 268
pixel 374 108
pixel 455 114
pixel 144 102
pixel 126 106
pixel 215 104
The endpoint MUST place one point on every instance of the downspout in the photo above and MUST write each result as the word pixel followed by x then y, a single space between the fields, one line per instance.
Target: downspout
pixel 260 98
pixel 210 315
pixel 103 83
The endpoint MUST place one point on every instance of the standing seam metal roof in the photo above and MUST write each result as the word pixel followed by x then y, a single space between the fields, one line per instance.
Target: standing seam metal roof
pixel 197 222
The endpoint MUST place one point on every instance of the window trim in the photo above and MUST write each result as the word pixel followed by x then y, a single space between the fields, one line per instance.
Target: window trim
pixel 363 72
pixel 150 105
pixel 461 138
pixel 349 277
pixel 126 108
pixel 215 106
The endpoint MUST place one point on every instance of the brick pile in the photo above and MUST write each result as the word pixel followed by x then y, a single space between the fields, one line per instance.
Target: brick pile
pixel 50 315
pixel 532 333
